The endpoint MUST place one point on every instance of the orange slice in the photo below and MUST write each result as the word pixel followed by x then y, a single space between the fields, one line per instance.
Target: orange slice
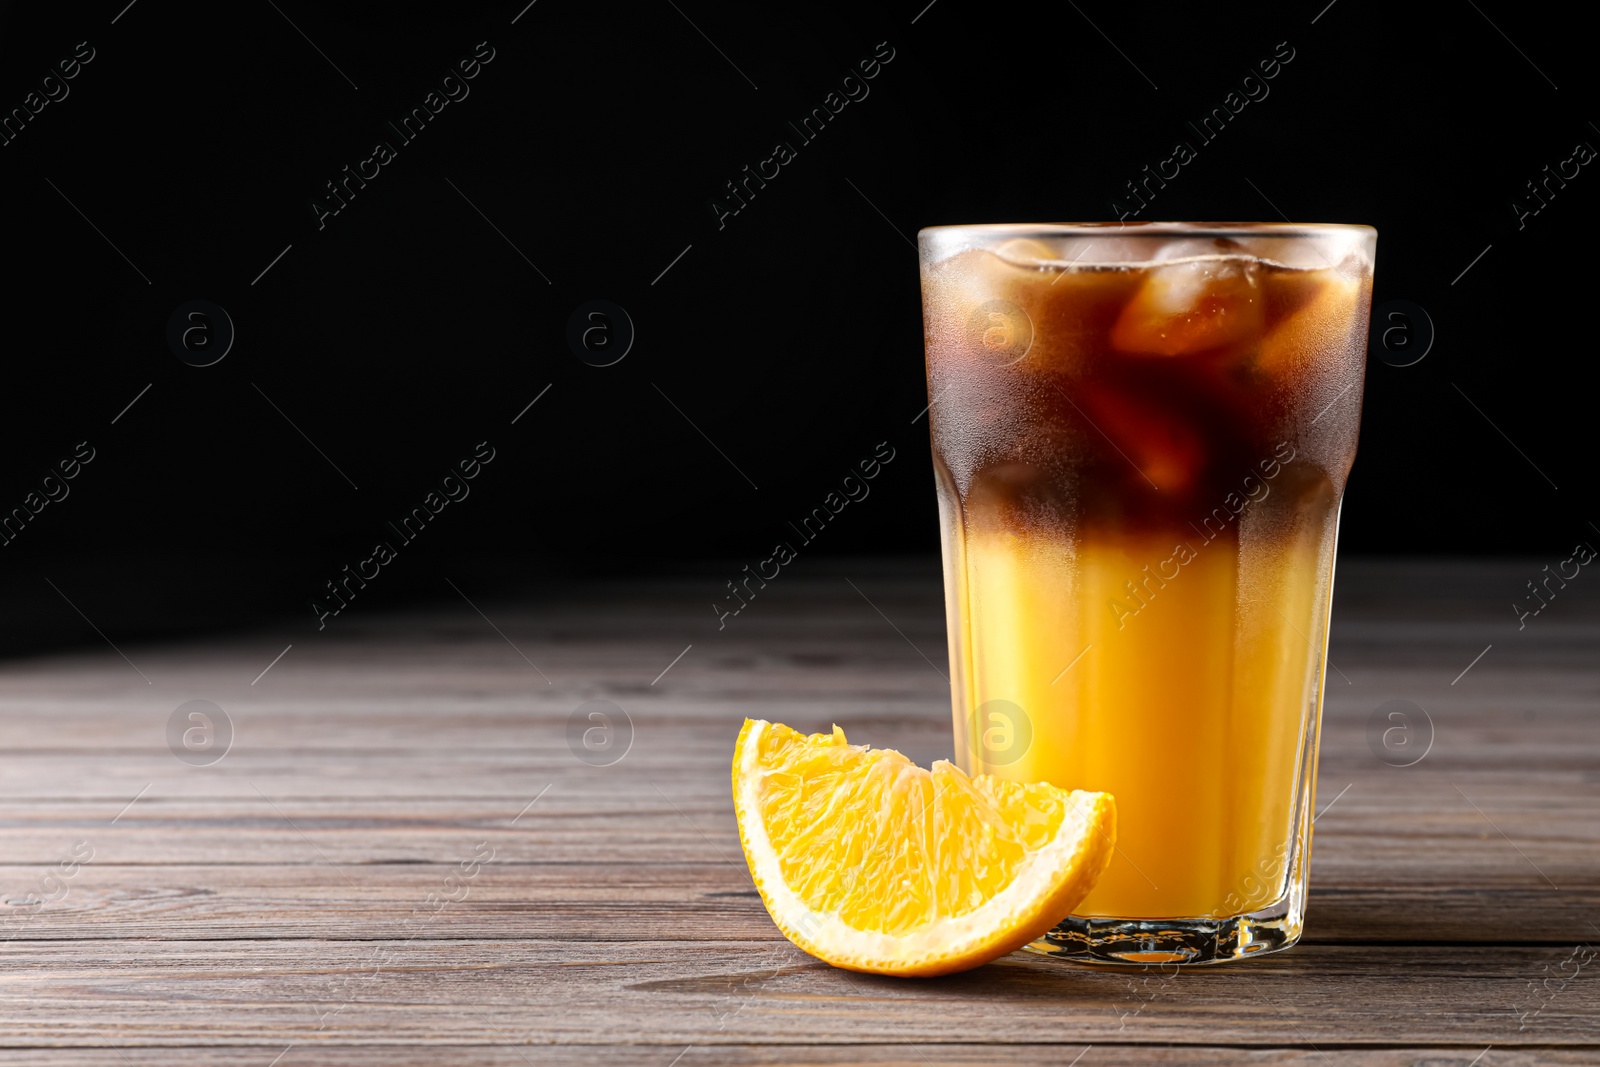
pixel 873 864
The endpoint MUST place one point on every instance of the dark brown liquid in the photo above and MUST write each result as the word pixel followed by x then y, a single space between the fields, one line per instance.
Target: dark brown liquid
pixel 1147 396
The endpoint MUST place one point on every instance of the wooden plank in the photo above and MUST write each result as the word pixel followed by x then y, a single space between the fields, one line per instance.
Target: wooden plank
pixel 683 993
pixel 449 752
pixel 623 900
pixel 1375 841
pixel 1381 823
pixel 878 1055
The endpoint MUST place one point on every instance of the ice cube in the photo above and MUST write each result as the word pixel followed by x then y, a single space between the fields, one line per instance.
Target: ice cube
pixel 1315 320
pixel 1026 251
pixel 1192 306
pixel 1195 248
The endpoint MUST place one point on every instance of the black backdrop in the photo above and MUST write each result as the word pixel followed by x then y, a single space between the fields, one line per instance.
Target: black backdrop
pixel 376 347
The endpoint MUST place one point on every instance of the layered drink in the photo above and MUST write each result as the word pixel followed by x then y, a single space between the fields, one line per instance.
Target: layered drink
pixel 1141 436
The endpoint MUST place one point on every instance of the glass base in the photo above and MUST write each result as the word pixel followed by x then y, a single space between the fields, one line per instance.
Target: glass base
pixel 1153 942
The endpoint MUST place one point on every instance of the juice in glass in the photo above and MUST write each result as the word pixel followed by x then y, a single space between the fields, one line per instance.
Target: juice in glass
pixel 1141 436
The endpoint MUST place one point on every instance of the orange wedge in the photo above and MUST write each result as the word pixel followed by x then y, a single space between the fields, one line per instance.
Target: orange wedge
pixel 873 864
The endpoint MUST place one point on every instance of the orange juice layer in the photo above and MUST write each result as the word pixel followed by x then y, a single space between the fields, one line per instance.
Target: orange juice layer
pixel 1186 700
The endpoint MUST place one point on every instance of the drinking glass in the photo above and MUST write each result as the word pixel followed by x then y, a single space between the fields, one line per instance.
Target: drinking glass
pixel 1141 436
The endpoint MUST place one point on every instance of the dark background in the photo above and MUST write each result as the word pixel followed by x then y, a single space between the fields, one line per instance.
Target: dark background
pixel 416 324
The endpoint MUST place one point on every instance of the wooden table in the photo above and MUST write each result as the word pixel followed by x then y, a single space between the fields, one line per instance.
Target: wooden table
pixel 401 860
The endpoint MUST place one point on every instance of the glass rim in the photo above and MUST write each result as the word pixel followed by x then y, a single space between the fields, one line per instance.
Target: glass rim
pixel 1148 229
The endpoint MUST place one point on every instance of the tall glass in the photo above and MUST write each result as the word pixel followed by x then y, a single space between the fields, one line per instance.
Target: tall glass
pixel 1141 436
